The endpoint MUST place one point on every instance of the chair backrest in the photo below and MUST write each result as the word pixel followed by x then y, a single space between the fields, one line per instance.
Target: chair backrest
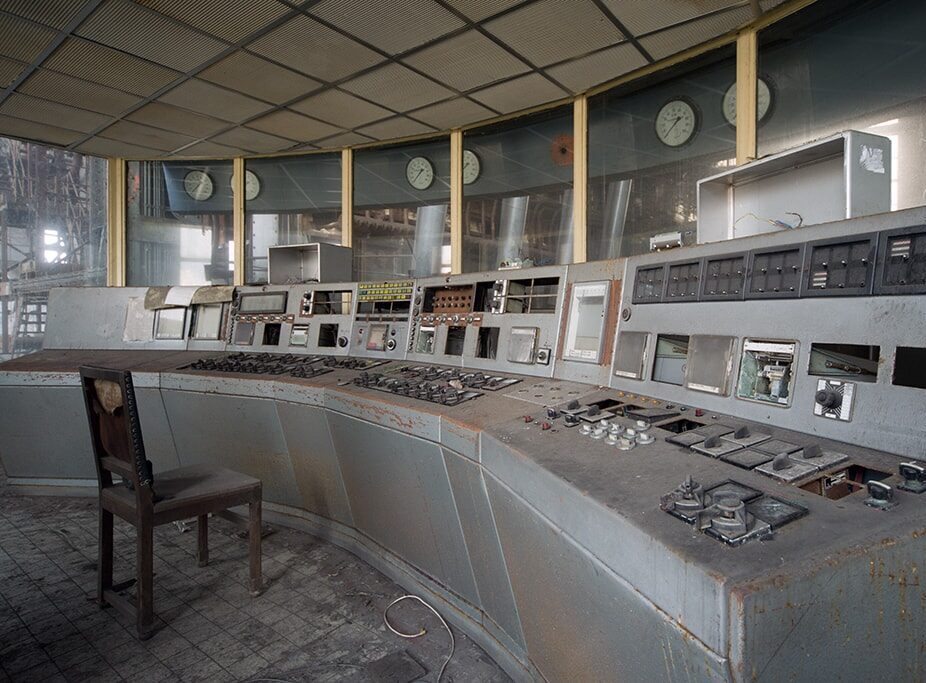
pixel 115 430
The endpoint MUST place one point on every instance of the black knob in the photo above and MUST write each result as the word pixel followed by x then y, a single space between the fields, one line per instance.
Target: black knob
pixel 828 398
pixel 593 410
pixel 572 405
pixel 552 413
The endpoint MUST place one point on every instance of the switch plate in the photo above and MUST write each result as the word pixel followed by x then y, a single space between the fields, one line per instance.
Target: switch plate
pixel 844 412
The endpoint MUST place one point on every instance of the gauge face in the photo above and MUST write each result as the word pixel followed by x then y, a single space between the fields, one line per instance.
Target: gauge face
pixel 676 123
pixel 471 167
pixel 763 102
pixel 198 185
pixel 251 185
pixel 419 173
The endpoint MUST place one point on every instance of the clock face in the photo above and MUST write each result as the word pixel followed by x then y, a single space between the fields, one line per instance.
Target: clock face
pixel 763 102
pixel 251 185
pixel 676 123
pixel 198 184
pixel 471 167
pixel 419 173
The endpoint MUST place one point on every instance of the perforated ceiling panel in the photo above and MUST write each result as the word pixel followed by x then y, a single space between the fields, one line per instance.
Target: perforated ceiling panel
pixel 345 140
pixel 395 86
pixel 315 49
pixel 51 85
pixel 265 80
pixel 127 131
pixel 30 130
pixel 294 126
pixel 585 72
pixel 110 67
pixel 252 140
pixel 395 128
pixel 105 147
pixel 165 116
pixel 126 26
pixel 519 93
pixel 53 13
pixel 21 40
pixel 568 29
pixel 213 100
pixel 477 10
pixel 230 20
pixel 341 108
pixel 666 43
pixel 467 61
pixel 645 16
pixel 452 113
pixel 385 23
pixel 9 70
pixel 54 114
pixel 210 149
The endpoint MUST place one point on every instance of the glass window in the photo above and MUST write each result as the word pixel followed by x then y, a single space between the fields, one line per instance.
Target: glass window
pixel 402 211
pixel 517 192
pixel 851 66
pixel 289 200
pixel 647 149
pixel 52 233
pixel 179 223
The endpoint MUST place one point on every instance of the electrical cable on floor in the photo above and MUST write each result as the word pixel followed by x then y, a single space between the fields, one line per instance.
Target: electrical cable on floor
pixel 422 631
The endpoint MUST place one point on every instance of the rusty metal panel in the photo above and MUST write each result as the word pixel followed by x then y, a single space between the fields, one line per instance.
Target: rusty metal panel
pixel 581 621
pixel 395 412
pixel 482 543
pixel 45 433
pixel 400 497
pixel 314 461
pixel 240 433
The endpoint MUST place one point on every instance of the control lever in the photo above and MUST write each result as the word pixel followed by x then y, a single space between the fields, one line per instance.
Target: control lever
pixel 813 451
pixel 742 433
pixel 712 442
pixel 593 410
pixel 781 462
pixel 914 477
pixel 880 495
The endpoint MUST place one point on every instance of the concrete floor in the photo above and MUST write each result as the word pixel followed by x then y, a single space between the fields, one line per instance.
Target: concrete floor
pixel 319 619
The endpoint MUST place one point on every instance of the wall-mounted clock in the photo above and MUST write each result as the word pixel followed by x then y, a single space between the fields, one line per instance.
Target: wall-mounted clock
pixel 677 122
pixel 764 97
pixel 419 172
pixel 471 167
pixel 198 184
pixel 251 185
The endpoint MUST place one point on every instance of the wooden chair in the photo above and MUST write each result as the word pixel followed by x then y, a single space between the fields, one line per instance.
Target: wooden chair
pixel 177 494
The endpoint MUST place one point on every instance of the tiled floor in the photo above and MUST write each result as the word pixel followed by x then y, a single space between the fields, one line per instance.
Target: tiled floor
pixel 320 618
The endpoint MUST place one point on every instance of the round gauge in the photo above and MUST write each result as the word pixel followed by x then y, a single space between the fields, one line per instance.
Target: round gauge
pixel 419 173
pixel 763 102
pixel 676 123
pixel 251 185
pixel 471 167
pixel 198 184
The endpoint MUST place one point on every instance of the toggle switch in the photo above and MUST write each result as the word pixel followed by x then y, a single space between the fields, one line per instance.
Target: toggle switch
pixel 880 495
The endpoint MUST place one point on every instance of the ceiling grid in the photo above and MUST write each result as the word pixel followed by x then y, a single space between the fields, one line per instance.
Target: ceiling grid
pixel 213 78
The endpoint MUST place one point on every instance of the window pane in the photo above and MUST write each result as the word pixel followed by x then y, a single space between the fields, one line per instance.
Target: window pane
pixel 520 204
pixel 52 233
pixel 402 211
pixel 840 66
pixel 648 148
pixel 179 223
pixel 290 200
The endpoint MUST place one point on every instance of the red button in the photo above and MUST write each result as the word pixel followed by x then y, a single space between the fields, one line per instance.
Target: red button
pixel 699 412
pixel 545 426
pixel 528 418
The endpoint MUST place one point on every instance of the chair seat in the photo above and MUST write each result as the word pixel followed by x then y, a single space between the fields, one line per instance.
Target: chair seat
pixel 195 487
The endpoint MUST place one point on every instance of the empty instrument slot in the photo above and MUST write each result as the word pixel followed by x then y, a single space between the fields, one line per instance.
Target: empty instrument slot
pixel 843 482
pixel 327 335
pixel 454 344
pixel 487 343
pixel 910 367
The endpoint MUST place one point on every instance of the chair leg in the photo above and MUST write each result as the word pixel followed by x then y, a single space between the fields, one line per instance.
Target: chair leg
pixel 202 540
pixel 254 546
pixel 105 563
pixel 144 560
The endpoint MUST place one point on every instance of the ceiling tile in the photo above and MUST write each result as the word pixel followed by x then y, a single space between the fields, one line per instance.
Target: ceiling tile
pixel 21 40
pixel 396 86
pixel 645 16
pixel 396 127
pixel 477 10
pixel 52 113
pixel 136 133
pixel 206 98
pixel 126 26
pixel 56 14
pixel 252 140
pixel 167 117
pixel 519 93
pixel 314 49
pixel 40 132
pixel 58 87
pixel 110 67
pixel 569 29
pixel 231 20
pixel 393 26
pixel 294 126
pixel 467 61
pixel 674 40
pixel 341 108
pixel 266 80
pixel 586 72
pixel 452 114
pixel 209 149
pixel 344 140
pixel 10 70
pixel 115 148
